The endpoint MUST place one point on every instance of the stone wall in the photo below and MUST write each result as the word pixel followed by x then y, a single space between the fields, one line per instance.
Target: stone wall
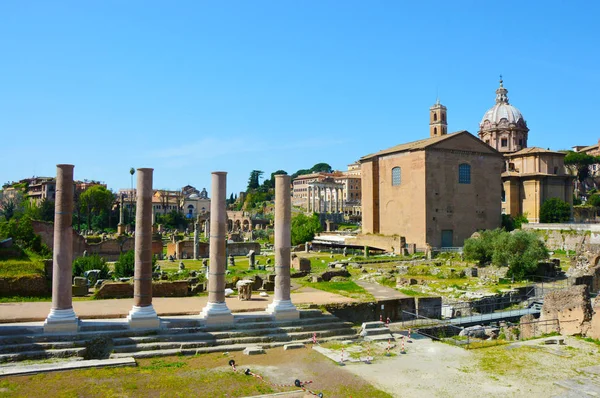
pixel 429 307
pixel 393 244
pixel 185 249
pixel 366 312
pixel 243 248
pixel 109 249
pixel 159 289
pixel 568 236
pixel 30 286
pixel 571 307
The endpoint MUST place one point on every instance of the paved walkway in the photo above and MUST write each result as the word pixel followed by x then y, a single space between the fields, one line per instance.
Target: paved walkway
pixel 119 308
pixel 381 292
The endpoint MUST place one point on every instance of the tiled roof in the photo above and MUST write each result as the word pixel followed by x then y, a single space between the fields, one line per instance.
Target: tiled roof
pixel 415 145
pixel 533 150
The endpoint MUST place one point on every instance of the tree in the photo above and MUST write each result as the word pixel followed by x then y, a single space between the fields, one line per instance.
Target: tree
pixel 521 251
pixel 304 228
pixel 269 183
pixel 321 168
pixel 579 163
pixel 174 220
pixel 555 210
pixel 253 181
pixel 95 199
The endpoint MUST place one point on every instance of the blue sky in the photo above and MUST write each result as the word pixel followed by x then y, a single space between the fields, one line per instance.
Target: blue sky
pixel 190 87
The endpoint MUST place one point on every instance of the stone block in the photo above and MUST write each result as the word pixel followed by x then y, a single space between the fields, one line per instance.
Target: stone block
pixel 79 281
pixel 269 286
pixel 293 346
pixel 253 351
pixel 80 291
pixel 301 264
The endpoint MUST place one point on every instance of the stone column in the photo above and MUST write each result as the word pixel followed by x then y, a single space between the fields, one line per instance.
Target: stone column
pixel 142 315
pixel 62 317
pixel 121 226
pixel 282 307
pixel 207 229
pixel 216 311
pixel 308 199
pixel 314 200
pixel 337 198
pixel 196 240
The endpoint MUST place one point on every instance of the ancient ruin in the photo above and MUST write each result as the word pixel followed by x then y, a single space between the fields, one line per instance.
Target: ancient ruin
pixel 62 317
pixel 142 315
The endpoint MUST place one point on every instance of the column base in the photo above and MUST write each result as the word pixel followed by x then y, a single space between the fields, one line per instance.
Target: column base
pixel 283 310
pixel 216 314
pixel 61 321
pixel 121 229
pixel 143 318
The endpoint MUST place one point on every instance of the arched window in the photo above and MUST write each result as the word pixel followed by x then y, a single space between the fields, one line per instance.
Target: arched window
pixel 435 117
pixel 443 117
pixel 435 131
pixel 396 179
pixel 464 174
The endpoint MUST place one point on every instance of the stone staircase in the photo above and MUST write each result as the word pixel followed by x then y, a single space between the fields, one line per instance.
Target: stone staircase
pixel 374 331
pixel 177 336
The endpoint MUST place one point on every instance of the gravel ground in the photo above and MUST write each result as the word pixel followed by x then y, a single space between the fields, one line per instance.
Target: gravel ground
pixel 434 369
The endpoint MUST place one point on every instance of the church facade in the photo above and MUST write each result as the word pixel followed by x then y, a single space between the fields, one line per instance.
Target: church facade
pixel 530 176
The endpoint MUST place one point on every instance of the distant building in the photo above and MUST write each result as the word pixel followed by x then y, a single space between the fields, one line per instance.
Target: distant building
pixel 336 192
pixel 41 188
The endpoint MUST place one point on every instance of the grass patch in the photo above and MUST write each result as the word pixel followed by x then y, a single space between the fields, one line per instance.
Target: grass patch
pixel 412 293
pixel 20 268
pixel 23 299
pixel 345 288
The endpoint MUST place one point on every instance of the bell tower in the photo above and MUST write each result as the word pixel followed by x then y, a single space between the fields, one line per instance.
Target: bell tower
pixel 438 125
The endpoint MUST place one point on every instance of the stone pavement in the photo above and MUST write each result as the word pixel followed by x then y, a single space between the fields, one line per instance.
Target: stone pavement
pixel 381 292
pixel 119 308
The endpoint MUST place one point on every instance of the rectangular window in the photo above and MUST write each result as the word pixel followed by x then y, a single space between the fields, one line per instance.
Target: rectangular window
pixel 464 174
pixel 504 142
pixel 396 178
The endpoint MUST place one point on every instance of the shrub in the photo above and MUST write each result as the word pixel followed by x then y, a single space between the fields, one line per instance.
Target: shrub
pixel 594 200
pixel 520 251
pixel 82 264
pixel 125 266
pixel 555 210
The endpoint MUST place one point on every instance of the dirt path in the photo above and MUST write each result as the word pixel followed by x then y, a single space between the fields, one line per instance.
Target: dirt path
pixel 119 308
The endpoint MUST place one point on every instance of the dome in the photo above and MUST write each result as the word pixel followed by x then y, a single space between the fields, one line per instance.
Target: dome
pixel 502 111
pixel 502 114
pixel 503 126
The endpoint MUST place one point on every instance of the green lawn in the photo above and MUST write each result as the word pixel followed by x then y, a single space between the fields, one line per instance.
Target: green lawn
pixel 19 268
